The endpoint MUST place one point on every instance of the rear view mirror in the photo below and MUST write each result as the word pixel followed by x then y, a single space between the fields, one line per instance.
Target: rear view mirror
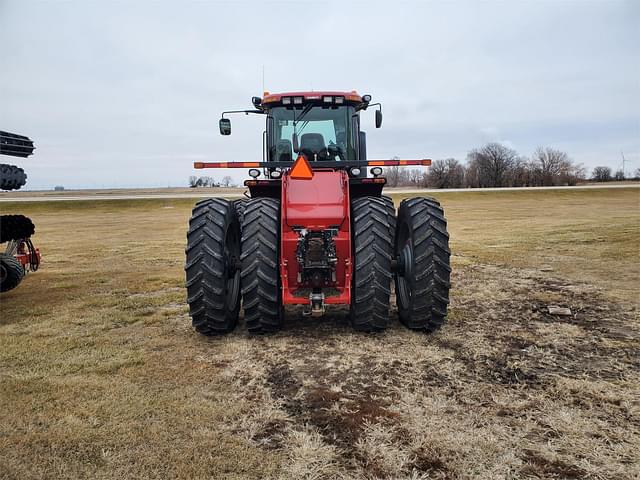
pixel 225 126
pixel 378 118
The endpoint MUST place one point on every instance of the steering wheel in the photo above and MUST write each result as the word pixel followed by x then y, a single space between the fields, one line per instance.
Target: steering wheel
pixel 334 150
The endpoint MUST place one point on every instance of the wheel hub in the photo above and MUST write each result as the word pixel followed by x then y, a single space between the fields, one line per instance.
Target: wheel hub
pixel 404 262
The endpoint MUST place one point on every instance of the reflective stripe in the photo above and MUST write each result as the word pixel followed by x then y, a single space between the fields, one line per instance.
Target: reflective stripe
pixel 226 164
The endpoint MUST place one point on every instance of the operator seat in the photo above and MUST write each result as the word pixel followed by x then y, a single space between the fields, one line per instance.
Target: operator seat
pixel 312 146
pixel 284 151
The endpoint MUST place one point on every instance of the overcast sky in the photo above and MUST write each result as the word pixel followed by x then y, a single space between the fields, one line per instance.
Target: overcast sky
pixel 116 94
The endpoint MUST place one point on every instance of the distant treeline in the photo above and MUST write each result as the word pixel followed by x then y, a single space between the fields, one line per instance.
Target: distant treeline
pixel 210 182
pixel 495 165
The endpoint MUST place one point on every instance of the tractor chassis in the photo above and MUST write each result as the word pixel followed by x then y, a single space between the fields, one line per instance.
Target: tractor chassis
pixel 323 241
pixel 317 231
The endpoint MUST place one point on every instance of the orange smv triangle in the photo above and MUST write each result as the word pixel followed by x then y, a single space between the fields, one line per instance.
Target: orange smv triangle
pixel 301 170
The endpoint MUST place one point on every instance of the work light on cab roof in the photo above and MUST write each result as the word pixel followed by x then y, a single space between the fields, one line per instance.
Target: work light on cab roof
pixel 316 229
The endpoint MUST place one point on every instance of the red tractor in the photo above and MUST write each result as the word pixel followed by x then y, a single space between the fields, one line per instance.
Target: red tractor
pixel 316 230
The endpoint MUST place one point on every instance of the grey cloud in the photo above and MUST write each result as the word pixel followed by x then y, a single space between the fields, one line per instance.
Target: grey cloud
pixel 112 87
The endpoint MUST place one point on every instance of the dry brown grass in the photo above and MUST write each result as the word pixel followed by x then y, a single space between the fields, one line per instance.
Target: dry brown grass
pixel 101 375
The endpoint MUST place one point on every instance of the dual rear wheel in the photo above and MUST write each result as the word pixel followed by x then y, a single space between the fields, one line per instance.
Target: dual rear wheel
pixel 415 247
pixel 232 244
pixel 233 253
pixel 212 266
pixel 423 269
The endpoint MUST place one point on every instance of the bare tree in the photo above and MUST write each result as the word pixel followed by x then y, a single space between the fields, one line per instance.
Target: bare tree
pixel 205 181
pixel 436 178
pixel 193 181
pixel 601 174
pixel 226 181
pixel 415 177
pixel 471 179
pixel 522 173
pixel 619 175
pixel 447 173
pixel 554 165
pixel 576 174
pixel 492 162
pixel 392 174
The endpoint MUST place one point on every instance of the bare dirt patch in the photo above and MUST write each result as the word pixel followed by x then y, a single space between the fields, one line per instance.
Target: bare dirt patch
pixel 504 390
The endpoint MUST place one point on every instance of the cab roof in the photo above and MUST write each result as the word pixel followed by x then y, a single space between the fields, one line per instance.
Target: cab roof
pixel 350 97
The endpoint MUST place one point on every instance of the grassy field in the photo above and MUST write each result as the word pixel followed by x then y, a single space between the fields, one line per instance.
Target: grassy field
pixel 101 375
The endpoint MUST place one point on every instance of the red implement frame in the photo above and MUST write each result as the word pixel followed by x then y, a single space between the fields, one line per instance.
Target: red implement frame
pixel 25 257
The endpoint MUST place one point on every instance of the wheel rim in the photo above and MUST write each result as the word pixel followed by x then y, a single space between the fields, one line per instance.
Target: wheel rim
pixel 232 272
pixel 404 253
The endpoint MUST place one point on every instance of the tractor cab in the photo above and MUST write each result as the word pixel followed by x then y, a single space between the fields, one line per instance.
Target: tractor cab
pixel 322 126
pixel 319 128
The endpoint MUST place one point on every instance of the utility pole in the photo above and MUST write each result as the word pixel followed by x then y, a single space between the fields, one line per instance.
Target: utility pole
pixel 624 160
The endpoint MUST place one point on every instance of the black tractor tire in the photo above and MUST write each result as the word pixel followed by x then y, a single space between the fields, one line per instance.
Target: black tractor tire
pixel 261 295
pixel 212 267
pixel 11 177
pixel 240 205
pixel 15 227
pixel 11 272
pixel 391 214
pixel 372 250
pixel 422 241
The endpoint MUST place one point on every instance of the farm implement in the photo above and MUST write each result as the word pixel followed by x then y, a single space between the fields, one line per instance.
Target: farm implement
pixel 19 256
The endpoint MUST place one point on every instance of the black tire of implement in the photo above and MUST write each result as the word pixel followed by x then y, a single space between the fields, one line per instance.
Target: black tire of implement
pixel 261 295
pixel 372 249
pixel 15 227
pixel 11 272
pixel 240 206
pixel 422 222
pixel 213 238
pixel 11 177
